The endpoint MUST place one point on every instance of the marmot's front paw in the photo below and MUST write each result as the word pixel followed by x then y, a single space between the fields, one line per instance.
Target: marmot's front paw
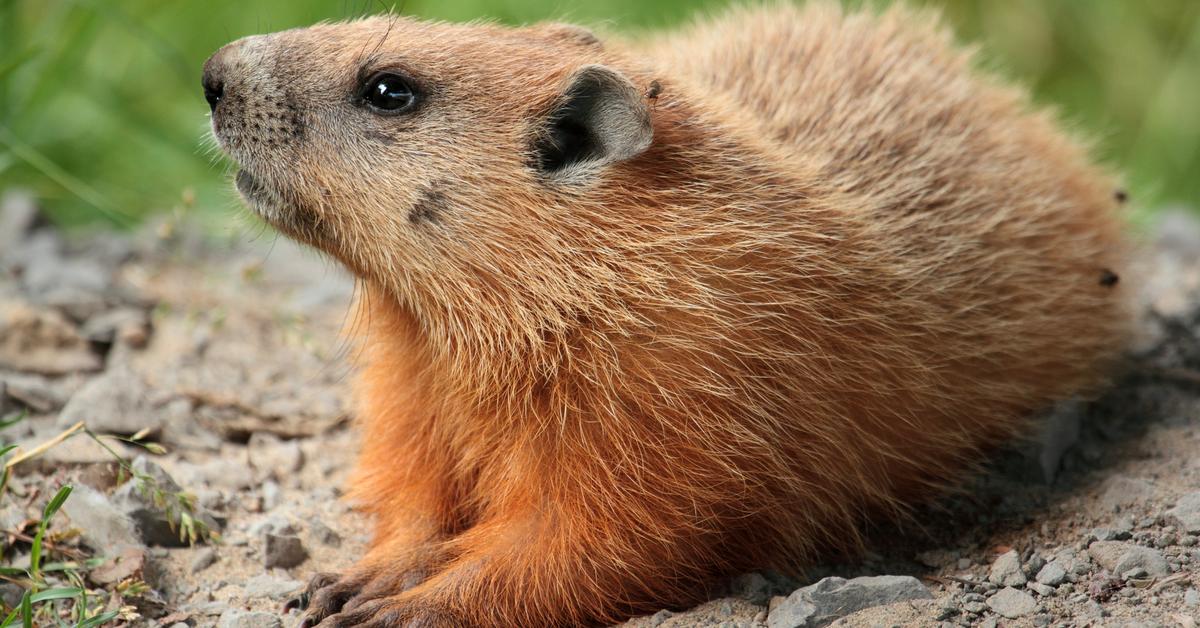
pixel 392 612
pixel 329 595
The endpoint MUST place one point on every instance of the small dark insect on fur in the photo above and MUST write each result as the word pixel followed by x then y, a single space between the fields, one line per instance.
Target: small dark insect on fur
pixel 653 91
pixel 1108 278
pixel 1121 195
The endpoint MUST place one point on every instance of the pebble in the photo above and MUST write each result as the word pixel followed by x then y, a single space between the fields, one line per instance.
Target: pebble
pixel 1052 574
pixel 235 618
pixel 831 598
pixel 1191 598
pixel 1121 492
pixel 1012 603
pixel 1186 513
pixel 267 586
pixel 283 550
pixel 204 559
pixel 328 536
pixel 1119 558
pixel 117 402
pixel 42 341
pixel 1043 590
pixel 1006 570
pixel 102 525
pixel 147 513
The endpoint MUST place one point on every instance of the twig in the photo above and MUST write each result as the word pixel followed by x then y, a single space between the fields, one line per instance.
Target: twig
pixel 76 554
pixel 41 449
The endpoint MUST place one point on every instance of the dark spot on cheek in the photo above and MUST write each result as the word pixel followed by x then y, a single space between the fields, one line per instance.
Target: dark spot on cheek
pixel 1108 278
pixel 429 206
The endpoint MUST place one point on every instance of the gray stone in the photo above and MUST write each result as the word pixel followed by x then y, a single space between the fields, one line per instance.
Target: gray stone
pixel 1006 570
pixel 1043 590
pixel 205 558
pixel 117 402
pixel 1059 432
pixel 830 598
pixel 753 587
pixel 328 536
pixel 1012 603
pixel 19 216
pixel 283 550
pixel 127 325
pixel 266 586
pixel 1191 598
pixel 1052 574
pixel 146 498
pixel 237 618
pixel 1186 513
pixel 40 340
pixel 1121 492
pixel 103 526
pixel 1118 558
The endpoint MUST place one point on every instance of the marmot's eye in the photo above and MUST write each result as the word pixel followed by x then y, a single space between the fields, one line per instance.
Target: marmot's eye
pixel 389 93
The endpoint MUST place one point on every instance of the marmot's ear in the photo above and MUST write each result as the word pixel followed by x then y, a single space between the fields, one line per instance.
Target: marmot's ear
pixel 600 118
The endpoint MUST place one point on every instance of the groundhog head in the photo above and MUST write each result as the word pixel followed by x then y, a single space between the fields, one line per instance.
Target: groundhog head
pixel 433 159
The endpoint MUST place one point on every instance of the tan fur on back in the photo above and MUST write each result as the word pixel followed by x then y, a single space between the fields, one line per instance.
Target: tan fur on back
pixel 845 267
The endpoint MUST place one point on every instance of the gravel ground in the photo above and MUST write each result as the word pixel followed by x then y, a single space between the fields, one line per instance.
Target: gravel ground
pixel 223 361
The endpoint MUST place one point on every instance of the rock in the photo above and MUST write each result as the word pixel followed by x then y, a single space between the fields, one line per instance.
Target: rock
pixel 266 586
pixel 237 618
pixel 830 598
pixel 1043 590
pixel 146 499
pixel 1012 603
pixel 204 559
pixel 752 587
pixel 1119 558
pixel 126 564
pixel 117 402
pixel 1191 598
pixel 126 325
pixel 1052 574
pixel 328 536
pixel 283 550
pixel 1006 570
pixel 274 457
pixel 11 594
pixel 19 216
pixel 42 341
pixel 1121 492
pixel 102 525
pixel 1059 432
pixel 1186 513
pixel 39 393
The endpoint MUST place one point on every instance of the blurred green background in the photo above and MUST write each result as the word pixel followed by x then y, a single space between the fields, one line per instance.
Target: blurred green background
pixel 101 111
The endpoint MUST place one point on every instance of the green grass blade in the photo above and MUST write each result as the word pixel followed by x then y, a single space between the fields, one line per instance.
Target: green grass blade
pixel 27 610
pixel 56 503
pixel 98 620
pixel 13 419
pixel 64 593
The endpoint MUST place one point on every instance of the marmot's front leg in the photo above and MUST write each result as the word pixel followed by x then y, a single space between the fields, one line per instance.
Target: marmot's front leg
pixel 412 507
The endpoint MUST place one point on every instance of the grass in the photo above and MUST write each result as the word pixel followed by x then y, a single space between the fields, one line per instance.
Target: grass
pixel 56 593
pixel 101 112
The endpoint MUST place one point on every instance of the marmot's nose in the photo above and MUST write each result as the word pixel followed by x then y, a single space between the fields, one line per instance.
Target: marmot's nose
pixel 214 77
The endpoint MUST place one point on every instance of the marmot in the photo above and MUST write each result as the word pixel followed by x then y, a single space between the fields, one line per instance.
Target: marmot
pixel 641 316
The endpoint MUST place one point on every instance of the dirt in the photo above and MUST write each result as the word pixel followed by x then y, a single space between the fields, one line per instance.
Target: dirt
pixel 224 357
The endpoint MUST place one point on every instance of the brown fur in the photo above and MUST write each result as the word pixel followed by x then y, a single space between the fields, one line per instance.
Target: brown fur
pixel 845 265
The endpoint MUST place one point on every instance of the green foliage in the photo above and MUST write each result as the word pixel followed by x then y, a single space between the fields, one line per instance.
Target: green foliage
pixel 101 111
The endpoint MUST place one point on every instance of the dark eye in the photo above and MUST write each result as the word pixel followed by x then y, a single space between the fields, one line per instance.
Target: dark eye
pixel 389 93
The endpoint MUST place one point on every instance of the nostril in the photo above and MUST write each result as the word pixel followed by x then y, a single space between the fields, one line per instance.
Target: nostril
pixel 214 91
